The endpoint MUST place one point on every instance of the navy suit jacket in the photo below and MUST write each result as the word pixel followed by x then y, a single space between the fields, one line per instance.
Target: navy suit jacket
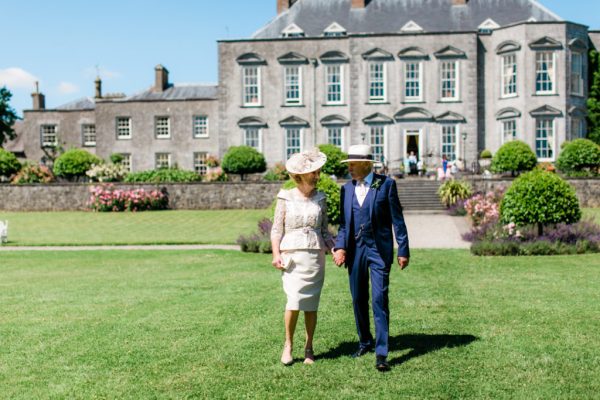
pixel 386 214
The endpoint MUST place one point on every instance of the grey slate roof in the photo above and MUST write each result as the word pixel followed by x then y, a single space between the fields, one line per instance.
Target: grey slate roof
pixel 387 16
pixel 84 103
pixel 177 92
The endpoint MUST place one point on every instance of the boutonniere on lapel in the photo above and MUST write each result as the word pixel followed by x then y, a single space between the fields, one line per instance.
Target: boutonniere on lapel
pixel 376 183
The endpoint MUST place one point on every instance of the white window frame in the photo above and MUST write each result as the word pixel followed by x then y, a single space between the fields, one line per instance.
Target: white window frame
pixel 444 144
pixel 199 162
pixel 86 135
pixel 508 126
pixel 45 133
pixel 291 86
pixel 330 85
pixel 551 75
pixel 247 85
pixel 157 157
pixel 379 149
pixel 372 81
pixel 340 130
pixel 200 124
pixel 247 139
pixel 162 130
pixel 127 161
pixel 289 150
pixel 548 140
pixel 509 76
pixel 122 128
pixel 577 77
pixel 419 81
pixel 455 79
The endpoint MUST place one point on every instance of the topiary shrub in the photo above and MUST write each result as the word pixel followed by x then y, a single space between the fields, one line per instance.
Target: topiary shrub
pixel 514 157
pixel 485 154
pixel 580 157
pixel 539 198
pixel 331 191
pixel 243 160
pixel 74 163
pixel 9 165
pixel 333 166
pixel 116 158
pixel 452 191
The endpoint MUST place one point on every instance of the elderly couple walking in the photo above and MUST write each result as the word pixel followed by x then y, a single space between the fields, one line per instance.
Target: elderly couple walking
pixel 371 216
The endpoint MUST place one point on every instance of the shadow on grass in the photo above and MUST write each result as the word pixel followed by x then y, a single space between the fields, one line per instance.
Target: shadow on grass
pixel 419 344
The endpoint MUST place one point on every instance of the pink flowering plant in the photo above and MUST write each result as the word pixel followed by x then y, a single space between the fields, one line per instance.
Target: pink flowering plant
pixel 484 209
pixel 107 198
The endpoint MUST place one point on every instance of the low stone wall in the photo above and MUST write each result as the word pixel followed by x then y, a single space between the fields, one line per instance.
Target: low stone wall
pixel 588 190
pixel 193 196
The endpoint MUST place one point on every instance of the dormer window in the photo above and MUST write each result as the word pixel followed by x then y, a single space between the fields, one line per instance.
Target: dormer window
pixel 292 31
pixel 334 30
pixel 411 26
pixel 488 26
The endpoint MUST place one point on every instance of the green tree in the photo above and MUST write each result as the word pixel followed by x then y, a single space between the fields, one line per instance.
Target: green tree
pixel 333 166
pixel 243 160
pixel 540 198
pixel 593 101
pixel 74 163
pixel 9 165
pixel 580 157
pixel 514 157
pixel 8 117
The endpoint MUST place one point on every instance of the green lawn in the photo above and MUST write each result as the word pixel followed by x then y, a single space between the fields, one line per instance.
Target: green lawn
pixel 208 324
pixel 157 227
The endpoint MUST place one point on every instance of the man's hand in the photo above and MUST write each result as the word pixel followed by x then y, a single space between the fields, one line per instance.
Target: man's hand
pixel 339 256
pixel 403 262
pixel 277 262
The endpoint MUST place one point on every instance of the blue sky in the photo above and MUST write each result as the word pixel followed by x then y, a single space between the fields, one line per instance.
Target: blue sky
pixel 61 43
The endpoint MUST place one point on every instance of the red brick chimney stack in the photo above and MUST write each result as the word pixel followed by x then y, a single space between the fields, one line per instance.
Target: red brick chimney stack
pixel 359 3
pixel 39 100
pixel 459 2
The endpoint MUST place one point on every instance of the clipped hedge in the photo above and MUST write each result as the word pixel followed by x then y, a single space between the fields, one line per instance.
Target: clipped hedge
pixel 334 166
pixel 514 157
pixel 163 175
pixel 539 198
pixel 243 160
pixel 580 157
pixel 74 163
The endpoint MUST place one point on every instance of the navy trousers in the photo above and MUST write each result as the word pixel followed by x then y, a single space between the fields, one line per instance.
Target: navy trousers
pixel 368 264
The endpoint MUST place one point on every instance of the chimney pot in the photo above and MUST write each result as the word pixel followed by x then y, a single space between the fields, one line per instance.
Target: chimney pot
pixel 161 78
pixel 98 83
pixel 39 100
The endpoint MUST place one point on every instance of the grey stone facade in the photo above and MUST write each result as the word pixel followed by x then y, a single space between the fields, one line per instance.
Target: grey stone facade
pixel 463 101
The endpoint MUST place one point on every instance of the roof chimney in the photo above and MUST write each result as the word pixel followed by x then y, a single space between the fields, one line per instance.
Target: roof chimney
pixel 161 78
pixel 359 3
pixel 39 100
pixel 459 2
pixel 98 83
pixel 284 5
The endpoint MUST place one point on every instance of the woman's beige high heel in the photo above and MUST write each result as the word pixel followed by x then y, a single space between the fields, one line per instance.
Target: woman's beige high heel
pixel 286 355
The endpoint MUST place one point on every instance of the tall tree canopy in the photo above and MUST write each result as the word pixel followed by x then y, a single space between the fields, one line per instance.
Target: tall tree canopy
pixel 8 116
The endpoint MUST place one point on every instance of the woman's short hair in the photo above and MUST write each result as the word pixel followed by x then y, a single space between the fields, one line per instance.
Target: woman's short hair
pixel 296 177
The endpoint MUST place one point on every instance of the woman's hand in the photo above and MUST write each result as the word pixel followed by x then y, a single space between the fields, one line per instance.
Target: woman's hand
pixel 277 262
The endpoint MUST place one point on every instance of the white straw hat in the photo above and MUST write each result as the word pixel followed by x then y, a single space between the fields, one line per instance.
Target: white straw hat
pixel 305 162
pixel 359 152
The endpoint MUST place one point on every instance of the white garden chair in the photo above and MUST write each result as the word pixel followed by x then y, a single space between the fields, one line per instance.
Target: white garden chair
pixel 3 231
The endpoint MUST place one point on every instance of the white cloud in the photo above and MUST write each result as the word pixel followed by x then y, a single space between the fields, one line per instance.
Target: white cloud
pixel 67 88
pixel 93 72
pixel 15 78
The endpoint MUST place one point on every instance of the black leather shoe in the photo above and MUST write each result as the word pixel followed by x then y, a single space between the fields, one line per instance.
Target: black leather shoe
pixel 362 351
pixel 381 364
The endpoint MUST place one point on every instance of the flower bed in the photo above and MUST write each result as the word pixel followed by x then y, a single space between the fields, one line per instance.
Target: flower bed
pixel 107 198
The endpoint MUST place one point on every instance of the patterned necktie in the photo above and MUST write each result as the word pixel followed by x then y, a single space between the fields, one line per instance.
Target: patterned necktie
pixel 361 191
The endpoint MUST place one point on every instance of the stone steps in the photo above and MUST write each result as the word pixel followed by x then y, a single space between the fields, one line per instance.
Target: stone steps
pixel 419 194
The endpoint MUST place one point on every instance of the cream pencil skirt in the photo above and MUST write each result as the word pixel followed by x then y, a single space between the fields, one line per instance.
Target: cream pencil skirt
pixel 303 280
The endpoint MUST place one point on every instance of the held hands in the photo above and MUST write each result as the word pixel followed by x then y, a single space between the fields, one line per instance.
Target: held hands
pixel 339 256
pixel 403 262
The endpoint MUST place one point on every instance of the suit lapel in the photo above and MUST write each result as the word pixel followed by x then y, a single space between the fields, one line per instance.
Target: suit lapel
pixel 374 194
pixel 349 200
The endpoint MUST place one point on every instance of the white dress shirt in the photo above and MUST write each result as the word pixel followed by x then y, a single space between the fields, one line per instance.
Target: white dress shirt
pixel 362 188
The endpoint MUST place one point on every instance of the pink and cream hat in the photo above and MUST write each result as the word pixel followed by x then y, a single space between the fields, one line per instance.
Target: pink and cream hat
pixel 305 162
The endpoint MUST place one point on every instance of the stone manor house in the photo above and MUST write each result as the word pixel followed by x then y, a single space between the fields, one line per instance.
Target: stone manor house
pixel 435 77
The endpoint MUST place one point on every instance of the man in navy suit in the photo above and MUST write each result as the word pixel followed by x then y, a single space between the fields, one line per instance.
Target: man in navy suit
pixel 370 212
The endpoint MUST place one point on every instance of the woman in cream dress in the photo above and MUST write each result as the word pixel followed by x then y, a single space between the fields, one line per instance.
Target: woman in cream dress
pixel 300 241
